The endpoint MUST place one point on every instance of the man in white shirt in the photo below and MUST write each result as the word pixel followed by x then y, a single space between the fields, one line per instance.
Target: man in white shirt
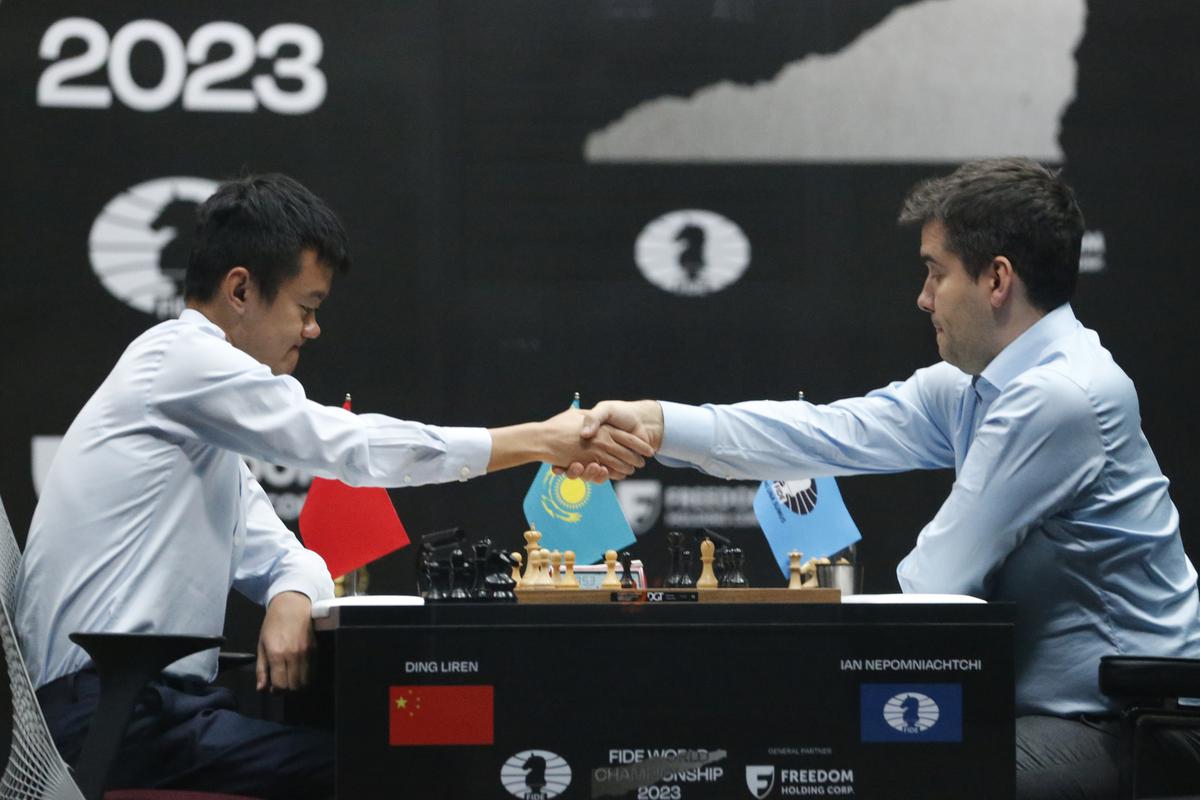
pixel 149 515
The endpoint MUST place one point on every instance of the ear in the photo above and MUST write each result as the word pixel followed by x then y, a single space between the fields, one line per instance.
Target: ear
pixel 1002 281
pixel 236 287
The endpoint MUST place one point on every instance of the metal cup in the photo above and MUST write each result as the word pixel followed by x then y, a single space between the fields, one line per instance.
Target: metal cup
pixel 847 577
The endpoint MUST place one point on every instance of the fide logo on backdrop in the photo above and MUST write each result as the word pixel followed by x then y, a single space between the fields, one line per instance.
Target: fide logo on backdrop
pixel 760 779
pixel 692 252
pixel 139 245
pixel 536 775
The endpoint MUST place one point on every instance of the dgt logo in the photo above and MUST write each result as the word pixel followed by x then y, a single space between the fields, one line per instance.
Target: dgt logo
pixel 536 775
pixel 692 252
pixel 925 712
pixel 139 244
pixel 760 779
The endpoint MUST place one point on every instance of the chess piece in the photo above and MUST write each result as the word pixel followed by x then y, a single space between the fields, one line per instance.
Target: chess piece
pixel 611 581
pixel 626 565
pixel 532 539
pixel 569 581
pixel 708 579
pixel 733 577
pixel 543 569
pixel 458 575
pixel 480 552
pixel 675 576
pixel 794 581
pixel 516 568
pixel 498 583
pixel 555 563
pixel 685 576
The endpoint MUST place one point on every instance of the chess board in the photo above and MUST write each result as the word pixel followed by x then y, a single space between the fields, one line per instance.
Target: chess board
pixel 751 595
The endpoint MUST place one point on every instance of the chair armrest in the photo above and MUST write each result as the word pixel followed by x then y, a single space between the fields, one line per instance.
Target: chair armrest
pixel 1146 676
pixel 229 659
pixel 124 661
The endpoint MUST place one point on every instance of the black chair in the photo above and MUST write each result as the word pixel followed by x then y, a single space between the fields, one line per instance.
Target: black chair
pixel 125 662
pixel 1154 694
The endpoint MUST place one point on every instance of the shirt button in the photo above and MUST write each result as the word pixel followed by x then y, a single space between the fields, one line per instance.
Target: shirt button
pixel 408 478
pixel 464 473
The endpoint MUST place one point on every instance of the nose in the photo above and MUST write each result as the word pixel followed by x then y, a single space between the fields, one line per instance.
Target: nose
pixel 311 329
pixel 925 298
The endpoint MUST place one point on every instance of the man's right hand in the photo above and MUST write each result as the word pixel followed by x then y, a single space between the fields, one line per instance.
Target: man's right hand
pixel 642 418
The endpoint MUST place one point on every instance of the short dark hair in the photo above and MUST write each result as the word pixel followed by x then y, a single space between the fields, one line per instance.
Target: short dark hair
pixel 1011 207
pixel 262 223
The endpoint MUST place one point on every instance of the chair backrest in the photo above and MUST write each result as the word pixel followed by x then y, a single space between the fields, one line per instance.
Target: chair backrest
pixel 35 770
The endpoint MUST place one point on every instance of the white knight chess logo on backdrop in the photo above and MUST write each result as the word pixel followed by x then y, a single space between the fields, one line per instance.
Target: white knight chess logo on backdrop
pixel 139 245
pixel 760 779
pixel 692 252
pixel 536 775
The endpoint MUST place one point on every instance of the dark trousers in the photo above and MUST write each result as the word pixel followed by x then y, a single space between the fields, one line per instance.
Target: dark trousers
pixel 1077 758
pixel 189 735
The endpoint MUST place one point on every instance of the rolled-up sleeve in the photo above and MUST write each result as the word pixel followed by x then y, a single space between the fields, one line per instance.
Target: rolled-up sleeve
pixel 211 392
pixel 899 427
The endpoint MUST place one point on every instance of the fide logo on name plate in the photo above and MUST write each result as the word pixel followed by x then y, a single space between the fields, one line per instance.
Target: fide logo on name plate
pixel 139 245
pixel 911 712
pixel 692 252
pixel 536 775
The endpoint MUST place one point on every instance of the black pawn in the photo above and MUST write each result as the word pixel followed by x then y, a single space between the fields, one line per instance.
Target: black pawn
pixel 626 565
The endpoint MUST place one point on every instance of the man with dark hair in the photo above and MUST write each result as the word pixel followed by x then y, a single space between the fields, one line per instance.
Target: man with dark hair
pixel 1059 504
pixel 149 515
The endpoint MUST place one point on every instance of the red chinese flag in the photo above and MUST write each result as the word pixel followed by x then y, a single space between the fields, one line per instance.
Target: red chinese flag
pixel 440 715
pixel 349 526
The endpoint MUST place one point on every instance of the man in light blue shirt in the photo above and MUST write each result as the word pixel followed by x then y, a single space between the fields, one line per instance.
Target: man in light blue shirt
pixel 1058 505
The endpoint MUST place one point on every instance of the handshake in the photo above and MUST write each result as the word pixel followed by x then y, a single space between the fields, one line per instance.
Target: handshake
pixel 610 440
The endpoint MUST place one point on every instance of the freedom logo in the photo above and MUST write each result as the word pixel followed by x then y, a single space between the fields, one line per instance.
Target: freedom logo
pixel 760 779
pixel 692 252
pixel 536 775
pixel 139 245
pixel 930 712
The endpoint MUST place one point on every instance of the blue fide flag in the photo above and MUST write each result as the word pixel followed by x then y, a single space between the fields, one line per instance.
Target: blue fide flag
pixel 807 515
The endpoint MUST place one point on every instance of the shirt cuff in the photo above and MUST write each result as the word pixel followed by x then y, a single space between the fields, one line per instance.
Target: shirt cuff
pixel 468 451
pixel 689 433
pixel 313 587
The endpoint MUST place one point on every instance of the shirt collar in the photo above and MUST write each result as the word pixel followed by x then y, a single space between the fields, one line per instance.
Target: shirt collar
pixel 193 317
pixel 1025 351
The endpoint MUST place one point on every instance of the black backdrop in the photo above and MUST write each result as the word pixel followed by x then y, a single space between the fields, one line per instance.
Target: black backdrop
pixel 494 268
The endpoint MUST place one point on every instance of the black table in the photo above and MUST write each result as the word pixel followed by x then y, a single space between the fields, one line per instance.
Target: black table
pixel 671 701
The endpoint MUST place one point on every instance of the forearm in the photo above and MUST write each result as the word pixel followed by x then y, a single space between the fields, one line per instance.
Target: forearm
pixel 518 444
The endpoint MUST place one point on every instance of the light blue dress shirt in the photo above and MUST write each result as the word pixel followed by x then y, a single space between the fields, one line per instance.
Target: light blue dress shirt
pixel 1058 504
pixel 148 514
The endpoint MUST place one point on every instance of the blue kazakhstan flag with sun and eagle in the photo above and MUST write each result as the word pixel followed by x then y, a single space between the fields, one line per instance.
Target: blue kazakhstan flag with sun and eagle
pixel 573 514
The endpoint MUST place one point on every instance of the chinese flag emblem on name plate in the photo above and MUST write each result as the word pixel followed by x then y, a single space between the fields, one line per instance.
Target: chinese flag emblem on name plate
pixel 440 715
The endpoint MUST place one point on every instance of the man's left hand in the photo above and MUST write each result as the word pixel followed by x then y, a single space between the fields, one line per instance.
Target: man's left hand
pixel 285 642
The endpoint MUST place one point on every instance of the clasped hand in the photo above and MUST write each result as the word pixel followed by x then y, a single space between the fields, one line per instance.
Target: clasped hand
pixel 608 441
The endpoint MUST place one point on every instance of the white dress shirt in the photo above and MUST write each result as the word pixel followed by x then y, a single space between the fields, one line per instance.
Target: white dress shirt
pixel 1059 504
pixel 149 515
